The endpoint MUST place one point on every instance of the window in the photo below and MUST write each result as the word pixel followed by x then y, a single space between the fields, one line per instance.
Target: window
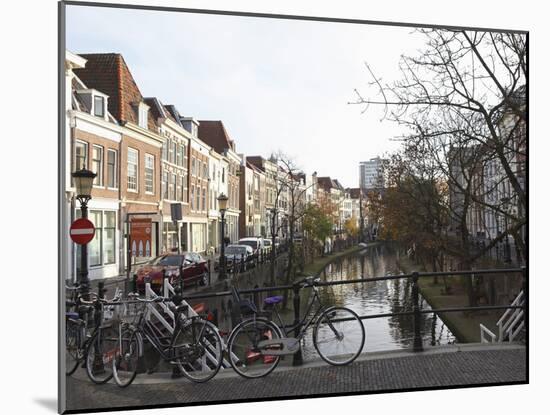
pixel 102 249
pixel 149 173
pixel 81 155
pixel 204 170
pixel 198 198
pixel 192 197
pixel 179 158
pixel 174 152
pixel 133 157
pixel 165 150
pixel 143 111
pixel 184 186
pixel 99 106
pixel 97 164
pixel 173 189
pixel 169 150
pixel 203 198
pixel 94 247
pixel 112 169
pixel 193 166
pixel 179 189
pixel 223 175
pixel 165 184
pixel 109 230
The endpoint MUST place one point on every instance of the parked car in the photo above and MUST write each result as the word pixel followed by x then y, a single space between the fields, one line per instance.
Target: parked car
pixel 255 243
pixel 189 266
pixel 238 253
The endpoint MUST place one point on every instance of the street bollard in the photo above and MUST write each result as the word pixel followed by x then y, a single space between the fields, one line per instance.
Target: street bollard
pixel 209 271
pixel 234 265
pixel 525 288
pixel 242 262
pixel 298 359
pixel 417 342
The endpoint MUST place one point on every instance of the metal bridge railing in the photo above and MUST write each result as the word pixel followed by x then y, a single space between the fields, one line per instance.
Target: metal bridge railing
pixel 517 308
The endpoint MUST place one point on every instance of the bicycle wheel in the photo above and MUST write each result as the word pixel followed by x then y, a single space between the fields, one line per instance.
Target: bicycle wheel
pixel 125 362
pixel 99 354
pixel 245 356
pixel 198 350
pixel 339 336
pixel 73 341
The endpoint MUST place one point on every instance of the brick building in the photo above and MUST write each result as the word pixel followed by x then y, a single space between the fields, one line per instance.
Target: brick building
pixel 140 145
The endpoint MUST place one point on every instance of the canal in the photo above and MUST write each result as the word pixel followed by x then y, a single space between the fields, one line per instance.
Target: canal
pixel 368 298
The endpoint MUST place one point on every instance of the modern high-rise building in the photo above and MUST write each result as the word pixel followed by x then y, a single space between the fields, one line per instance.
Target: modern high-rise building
pixel 371 174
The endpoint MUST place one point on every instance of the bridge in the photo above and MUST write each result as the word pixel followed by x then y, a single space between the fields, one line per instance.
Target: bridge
pixel 457 365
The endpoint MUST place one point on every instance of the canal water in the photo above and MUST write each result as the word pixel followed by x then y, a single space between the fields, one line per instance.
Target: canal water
pixel 366 299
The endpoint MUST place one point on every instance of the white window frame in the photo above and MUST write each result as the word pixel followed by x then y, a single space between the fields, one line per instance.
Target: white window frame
pixel 128 188
pixel 103 110
pixel 115 171
pixel 86 147
pixel 148 157
pixel 143 113
pixel 99 174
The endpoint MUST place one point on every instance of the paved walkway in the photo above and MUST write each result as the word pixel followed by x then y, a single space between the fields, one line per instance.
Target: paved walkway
pixel 456 365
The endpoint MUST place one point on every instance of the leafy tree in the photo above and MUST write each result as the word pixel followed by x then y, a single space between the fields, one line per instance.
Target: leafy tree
pixel 316 223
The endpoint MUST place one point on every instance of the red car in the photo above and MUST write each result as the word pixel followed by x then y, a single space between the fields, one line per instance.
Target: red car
pixel 192 266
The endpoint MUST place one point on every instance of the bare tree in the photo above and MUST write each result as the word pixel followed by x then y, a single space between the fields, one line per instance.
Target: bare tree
pixel 464 102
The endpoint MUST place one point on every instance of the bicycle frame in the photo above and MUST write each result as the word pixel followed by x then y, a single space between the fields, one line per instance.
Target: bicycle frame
pixel 303 327
pixel 156 339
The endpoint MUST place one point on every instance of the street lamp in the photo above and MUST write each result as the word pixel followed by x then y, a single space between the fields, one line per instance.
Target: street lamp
pixel 222 200
pixel 83 181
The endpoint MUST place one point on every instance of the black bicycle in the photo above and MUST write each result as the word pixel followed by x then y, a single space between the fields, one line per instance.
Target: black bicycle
pixel 257 343
pixel 91 346
pixel 194 346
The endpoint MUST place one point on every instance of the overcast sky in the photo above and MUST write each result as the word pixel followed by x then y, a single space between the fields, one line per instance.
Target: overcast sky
pixel 278 85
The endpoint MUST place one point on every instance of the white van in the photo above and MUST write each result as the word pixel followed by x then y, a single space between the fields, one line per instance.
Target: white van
pixel 255 243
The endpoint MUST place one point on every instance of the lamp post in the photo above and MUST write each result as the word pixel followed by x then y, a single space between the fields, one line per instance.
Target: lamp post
pixel 222 200
pixel 83 181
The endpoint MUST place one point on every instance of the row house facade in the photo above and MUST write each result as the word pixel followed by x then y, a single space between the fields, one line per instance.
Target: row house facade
pixel 111 133
pixel 246 220
pixel 149 159
pixel 214 134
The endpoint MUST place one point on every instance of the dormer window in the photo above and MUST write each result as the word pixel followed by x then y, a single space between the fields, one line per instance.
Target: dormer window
pixel 99 106
pixel 143 111
pixel 93 102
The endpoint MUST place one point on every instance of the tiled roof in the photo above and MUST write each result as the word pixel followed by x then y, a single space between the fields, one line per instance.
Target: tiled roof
pixel 355 192
pixel 215 135
pixel 257 161
pixel 324 182
pixel 108 73
pixel 174 114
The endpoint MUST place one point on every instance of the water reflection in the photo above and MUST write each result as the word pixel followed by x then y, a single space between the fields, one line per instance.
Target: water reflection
pixel 368 298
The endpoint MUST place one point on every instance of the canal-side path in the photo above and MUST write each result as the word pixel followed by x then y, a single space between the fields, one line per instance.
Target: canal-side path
pixel 465 326
pixel 443 366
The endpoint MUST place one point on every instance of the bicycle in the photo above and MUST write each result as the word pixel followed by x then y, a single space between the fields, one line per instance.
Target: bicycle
pixel 81 345
pixel 194 346
pixel 257 344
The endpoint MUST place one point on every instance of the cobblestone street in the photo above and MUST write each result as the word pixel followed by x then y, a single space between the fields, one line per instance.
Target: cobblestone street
pixel 438 367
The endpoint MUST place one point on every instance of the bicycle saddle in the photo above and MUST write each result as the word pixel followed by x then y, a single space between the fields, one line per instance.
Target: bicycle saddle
pixel 276 299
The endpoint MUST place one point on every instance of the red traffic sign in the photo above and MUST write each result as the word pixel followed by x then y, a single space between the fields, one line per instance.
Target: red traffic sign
pixel 82 231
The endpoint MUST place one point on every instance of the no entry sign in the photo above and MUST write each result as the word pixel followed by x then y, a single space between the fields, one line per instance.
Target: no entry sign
pixel 82 231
